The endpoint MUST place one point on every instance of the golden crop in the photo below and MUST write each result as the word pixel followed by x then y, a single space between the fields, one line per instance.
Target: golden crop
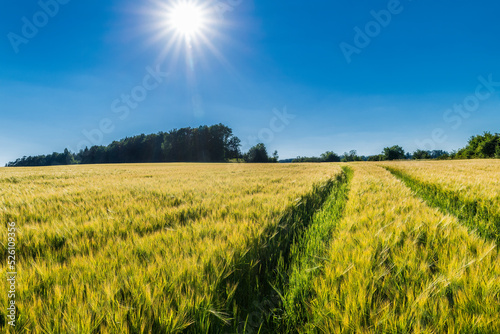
pixel 395 265
pixel 470 190
pixel 472 178
pixel 389 247
pixel 138 248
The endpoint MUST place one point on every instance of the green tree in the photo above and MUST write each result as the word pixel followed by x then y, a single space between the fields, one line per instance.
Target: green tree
pixel 233 148
pixel 256 154
pixel 351 156
pixel 421 155
pixel 436 154
pixel 394 153
pixel 276 157
pixel 481 146
pixel 379 157
pixel 330 156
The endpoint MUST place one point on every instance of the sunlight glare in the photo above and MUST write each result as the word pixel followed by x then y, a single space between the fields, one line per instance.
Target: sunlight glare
pixel 187 19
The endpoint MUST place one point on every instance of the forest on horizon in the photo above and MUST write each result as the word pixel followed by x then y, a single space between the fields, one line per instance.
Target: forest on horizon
pixel 217 143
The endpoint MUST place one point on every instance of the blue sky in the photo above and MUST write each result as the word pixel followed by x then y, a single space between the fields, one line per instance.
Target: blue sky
pixel 259 59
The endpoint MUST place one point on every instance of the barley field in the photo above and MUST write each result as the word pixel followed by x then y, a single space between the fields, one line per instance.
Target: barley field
pixel 140 248
pixel 389 247
pixel 395 265
pixel 469 190
pixel 471 178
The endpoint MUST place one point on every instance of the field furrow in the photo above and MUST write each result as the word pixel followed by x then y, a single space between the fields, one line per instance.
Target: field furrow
pixel 307 258
pixel 468 190
pixel 249 248
pixel 77 213
pixel 395 265
pixel 196 274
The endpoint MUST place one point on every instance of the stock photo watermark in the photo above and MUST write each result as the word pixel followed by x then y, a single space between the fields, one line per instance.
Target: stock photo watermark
pixel 255 319
pixel 266 135
pixel 222 7
pixel 48 9
pixel 32 25
pixel 11 274
pixel 456 115
pixel 371 30
pixel 122 107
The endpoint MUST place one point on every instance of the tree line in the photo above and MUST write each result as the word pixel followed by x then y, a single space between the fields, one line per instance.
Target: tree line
pixel 215 143
pixel 482 146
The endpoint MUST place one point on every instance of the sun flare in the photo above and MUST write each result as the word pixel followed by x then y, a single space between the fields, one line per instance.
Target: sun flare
pixel 187 19
pixel 185 30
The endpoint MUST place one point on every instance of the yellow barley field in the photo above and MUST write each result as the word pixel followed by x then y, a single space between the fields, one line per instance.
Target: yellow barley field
pixel 468 189
pixel 471 178
pixel 398 266
pixel 138 248
pixel 383 247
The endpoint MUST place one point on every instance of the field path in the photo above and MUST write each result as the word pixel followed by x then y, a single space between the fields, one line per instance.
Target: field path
pixel 469 191
pixel 243 248
pixel 151 248
pixel 396 265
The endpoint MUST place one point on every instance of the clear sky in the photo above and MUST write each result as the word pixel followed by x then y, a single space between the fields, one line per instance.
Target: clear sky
pixel 340 75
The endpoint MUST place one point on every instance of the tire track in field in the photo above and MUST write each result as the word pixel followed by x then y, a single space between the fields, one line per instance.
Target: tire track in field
pixel 262 275
pixel 308 255
pixel 397 265
pixel 476 214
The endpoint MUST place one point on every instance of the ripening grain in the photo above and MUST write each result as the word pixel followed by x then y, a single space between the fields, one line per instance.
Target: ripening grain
pixel 139 248
pixel 471 178
pixel 469 190
pixel 206 248
pixel 396 265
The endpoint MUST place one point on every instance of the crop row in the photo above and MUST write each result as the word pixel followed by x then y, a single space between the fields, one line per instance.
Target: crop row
pixel 396 265
pixel 198 275
pixel 247 249
pixel 479 214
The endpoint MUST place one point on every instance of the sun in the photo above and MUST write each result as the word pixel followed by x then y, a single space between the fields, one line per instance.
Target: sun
pixel 187 19
pixel 184 29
